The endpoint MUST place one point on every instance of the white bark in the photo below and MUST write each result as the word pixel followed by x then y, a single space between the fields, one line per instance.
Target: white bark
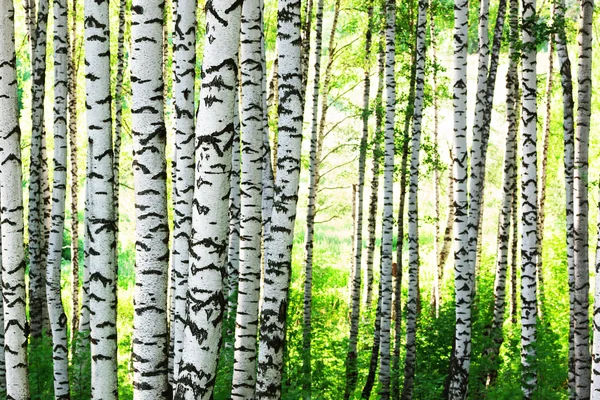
pixel 388 199
pixel 56 312
pixel 184 41
pixel 463 277
pixel 253 130
pixel 150 334
pixel 528 201
pixel 11 215
pixel 583 361
pixel 278 245
pixel 208 246
pixel 101 217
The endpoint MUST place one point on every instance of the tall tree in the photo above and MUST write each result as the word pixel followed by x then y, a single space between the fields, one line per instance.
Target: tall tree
pixel 388 199
pixel 351 358
pixel 313 173
pixel 529 200
pixel 233 253
pixel 11 215
pixel 100 216
pixel 278 245
pixel 184 58
pixel 2 356
pixel 56 311
pixel 150 340
pixel 581 205
pixel 569 156
pixel 254 126
pixel 36 220
pixel 509 186
pixel 413 209
pixel 544 170
pixel 73 68
pixel 208 245
pixel 463 279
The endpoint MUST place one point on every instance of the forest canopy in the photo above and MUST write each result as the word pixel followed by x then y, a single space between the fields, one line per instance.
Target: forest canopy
pixel 284 199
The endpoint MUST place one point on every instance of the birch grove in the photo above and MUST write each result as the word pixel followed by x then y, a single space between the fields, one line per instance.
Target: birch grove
pixel 166 232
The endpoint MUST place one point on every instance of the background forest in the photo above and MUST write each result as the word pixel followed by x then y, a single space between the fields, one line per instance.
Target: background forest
pixel 436 199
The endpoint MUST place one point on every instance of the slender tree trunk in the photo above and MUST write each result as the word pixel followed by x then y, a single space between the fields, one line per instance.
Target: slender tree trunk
pixel 184 55
pixel 529 202
pixel 514 255
pixel 388 218
pixel 253 130
pixel 36 208
pixel 208 245
pixel 2 356
pixel 413 209
pixel 118 109
pixel 307 18
pixel 461 358
pixel 447 242
pixel 351 358
pixel 150 341
pixel 437 276
pixel 397 298
pixel 581 205
pixel 278 245
pixel 544 172
pixel 73 68
pixel 569 155
pixel 101 217
pixel 509 191
pixel 56 312
pixel 313 172
pixel 377 155
pixel 11 216
pixel 596 341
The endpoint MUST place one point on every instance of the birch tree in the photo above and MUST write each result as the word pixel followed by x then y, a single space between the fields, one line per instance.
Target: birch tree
pixel 150 340
pixel 37 275
pixel 388 190
pixel 100 217
pixel 463 279
pixel 73 68
pixel 313 183
pixel 206 302
pixel 253 130
pixel 351 368
pixel 184 57
pixel 56 312
pixel 278 245
pixel 11 216
pixel 581 205
pixel 413 210
pixel 529 201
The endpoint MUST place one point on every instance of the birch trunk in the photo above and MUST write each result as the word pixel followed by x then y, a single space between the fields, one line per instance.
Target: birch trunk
pixel 581 205
pixel 278 245
pixel 73 68
pixel 569 150
pixel 184 56
pixel 509 191
pixel 313 172
pixel 150 335
pixel 374 200
pixel 205 304
pixel 529 202
pixel 544 172
pixel 56 312
pixel 388 218
pixel 36 218
pixel 370 381
pixel 253 130
pixel 461 359
pixel 413 209
pixel 101 218
pixel 351 358
pixel 11 216
pixel 233 253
